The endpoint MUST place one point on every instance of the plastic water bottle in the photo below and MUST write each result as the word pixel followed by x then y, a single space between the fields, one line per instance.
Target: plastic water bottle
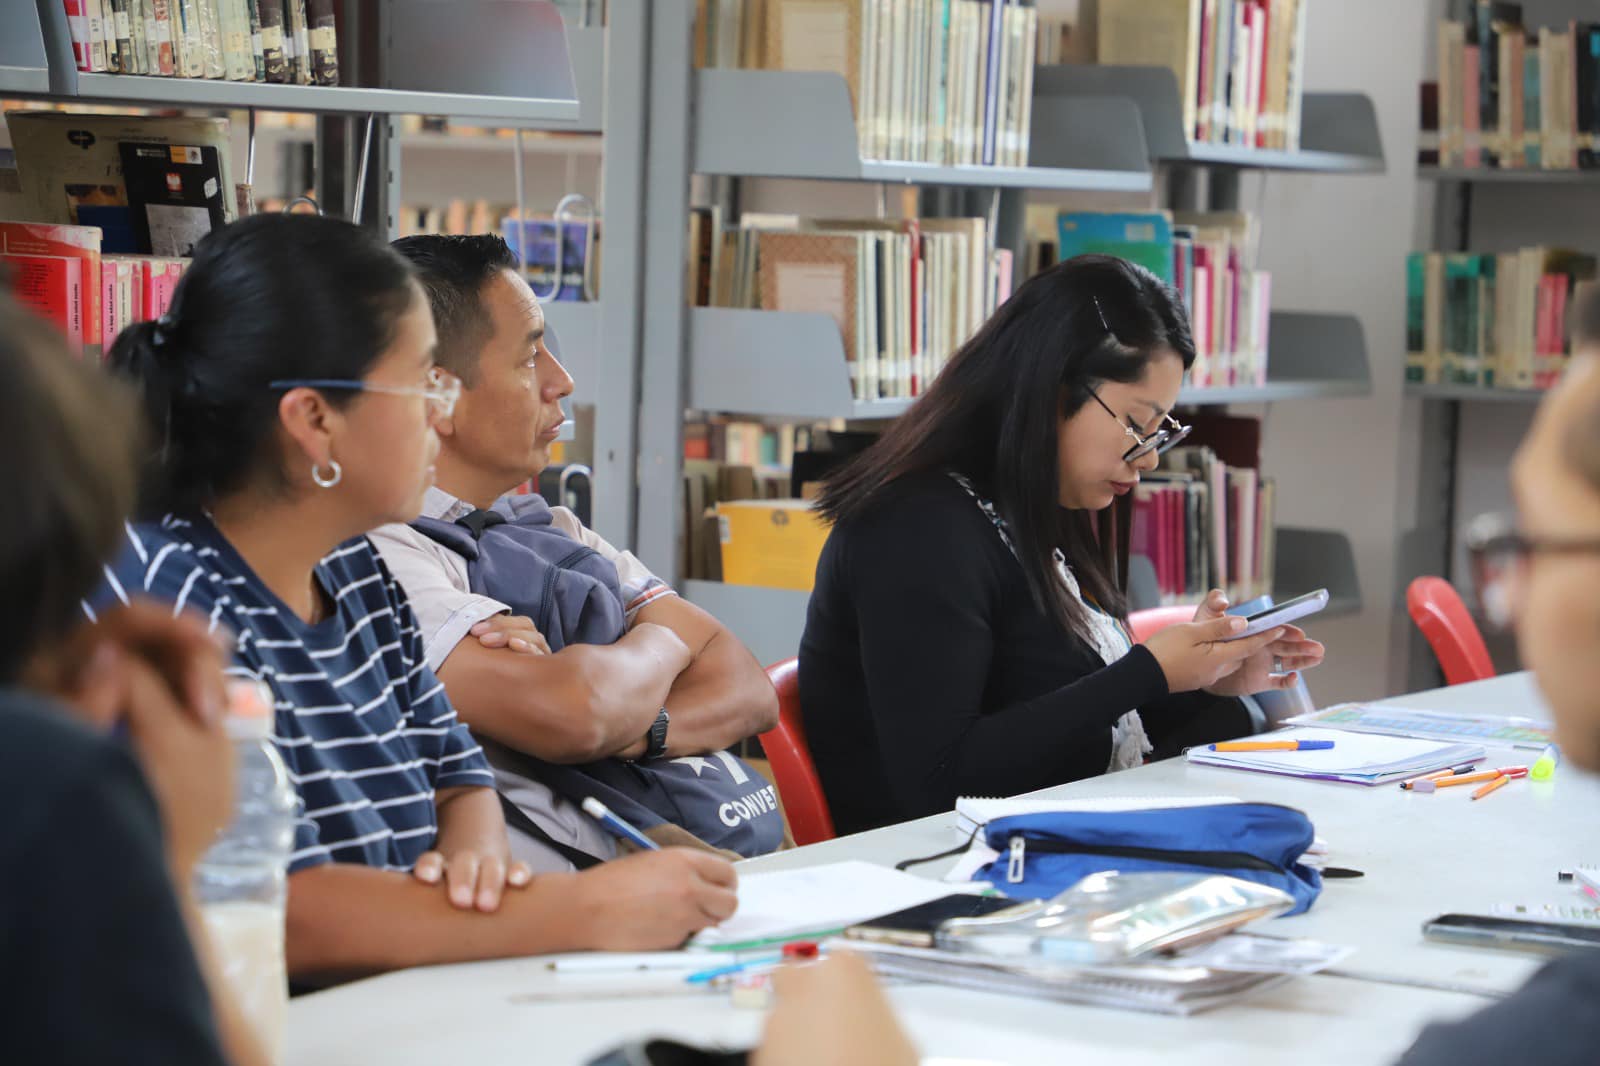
pixel 241 881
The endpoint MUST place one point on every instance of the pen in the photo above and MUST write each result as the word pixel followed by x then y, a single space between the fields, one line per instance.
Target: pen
pixel 700 977
pixel 1467 769
pixel 620 961
pixel 1500 782
pixel 1486 775
pixel 1272 745
pixel 618 828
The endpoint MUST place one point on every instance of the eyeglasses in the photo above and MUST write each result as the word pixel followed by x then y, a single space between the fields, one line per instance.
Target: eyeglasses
pixel 1158 442
pixel 1499 556
pixel 441 392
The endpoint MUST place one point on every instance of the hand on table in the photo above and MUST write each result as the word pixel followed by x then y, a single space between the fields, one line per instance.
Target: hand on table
pixel 472 879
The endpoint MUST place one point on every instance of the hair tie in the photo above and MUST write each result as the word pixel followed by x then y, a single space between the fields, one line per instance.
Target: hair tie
pixel 161 335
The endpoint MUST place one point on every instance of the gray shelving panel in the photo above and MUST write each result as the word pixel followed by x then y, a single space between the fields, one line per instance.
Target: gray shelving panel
pixel 768 621
pixel 586 48
pixel 1310 356
pixel 572 332
pixel 791 364
pixel 476 59
pixel 1475 394
pixel 1310 559
pixel 1480 176
pixel 1338 131
pixel 24 60
pixel 795 124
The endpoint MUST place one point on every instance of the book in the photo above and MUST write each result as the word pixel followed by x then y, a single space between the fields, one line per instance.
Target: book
pixel 275 64
pixel 298 35
pixel 322 32
pixel 1355 758
pixel 1155 33
pixel 258 58
pixel 233 28
pixel 163 56
pixel 1144 238
pixel 81 244
pixel 51 286
pixel 78 29
pixel 1431 725
pixel 175 195
pixel 136 32
pixel 71 167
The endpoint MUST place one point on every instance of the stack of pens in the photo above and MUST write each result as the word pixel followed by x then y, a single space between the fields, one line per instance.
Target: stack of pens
pixel 1488 780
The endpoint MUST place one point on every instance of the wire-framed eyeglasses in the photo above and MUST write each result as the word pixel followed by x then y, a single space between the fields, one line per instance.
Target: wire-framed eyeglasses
pixel 1167 437
pixel 1499 554
pixel 442 390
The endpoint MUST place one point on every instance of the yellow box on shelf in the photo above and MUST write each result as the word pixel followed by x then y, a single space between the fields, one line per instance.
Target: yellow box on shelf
pixel 771 543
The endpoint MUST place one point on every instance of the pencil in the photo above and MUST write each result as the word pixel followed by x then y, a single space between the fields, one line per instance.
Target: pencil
pixel 1499 782
pixel 1468 779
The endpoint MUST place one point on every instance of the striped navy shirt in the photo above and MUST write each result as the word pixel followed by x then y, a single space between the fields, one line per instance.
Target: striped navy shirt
pixel 362 723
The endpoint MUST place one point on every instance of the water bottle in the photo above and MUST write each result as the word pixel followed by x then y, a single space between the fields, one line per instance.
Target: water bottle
pixel 241 881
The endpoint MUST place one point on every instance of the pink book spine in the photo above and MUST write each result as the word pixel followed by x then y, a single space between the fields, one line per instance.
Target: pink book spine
pixel 110 318
pixel 1472 156
pixel 1263 324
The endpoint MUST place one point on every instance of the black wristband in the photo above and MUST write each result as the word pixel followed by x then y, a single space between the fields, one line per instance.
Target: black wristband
pixel 656 739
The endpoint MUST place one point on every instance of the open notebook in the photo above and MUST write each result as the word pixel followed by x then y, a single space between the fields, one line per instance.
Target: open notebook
pixel 1359 758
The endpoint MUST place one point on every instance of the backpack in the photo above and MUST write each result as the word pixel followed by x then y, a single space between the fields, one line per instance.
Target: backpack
pixel 573 595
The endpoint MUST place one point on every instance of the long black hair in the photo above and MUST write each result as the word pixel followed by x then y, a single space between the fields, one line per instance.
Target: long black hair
pixel 270 297
pixel 994 413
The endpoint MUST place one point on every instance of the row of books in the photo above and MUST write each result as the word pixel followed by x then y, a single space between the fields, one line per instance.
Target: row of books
pixel 1211 258
pixel 946 82
pixel 1204 524
pixel 1239 63
pixel 1510 96
pixel 281 41
pixel 147 185
pixel 534 240
pixel 59 273
pixel 1497 321
pixel 905 294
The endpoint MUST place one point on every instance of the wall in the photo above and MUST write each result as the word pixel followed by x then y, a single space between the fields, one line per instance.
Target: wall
pixel 1338 244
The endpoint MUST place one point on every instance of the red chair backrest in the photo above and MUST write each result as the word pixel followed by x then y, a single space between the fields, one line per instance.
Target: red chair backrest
pixel 1436 608
pixel 1153 619
pixel 786 749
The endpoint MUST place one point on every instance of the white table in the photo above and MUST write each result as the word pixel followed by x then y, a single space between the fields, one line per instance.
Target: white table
pixel 1422 855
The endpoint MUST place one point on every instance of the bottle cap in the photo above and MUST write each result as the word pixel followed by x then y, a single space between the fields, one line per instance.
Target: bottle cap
pixel 250 706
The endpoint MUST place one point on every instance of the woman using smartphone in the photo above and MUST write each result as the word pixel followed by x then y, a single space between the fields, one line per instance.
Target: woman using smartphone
pixel 967 633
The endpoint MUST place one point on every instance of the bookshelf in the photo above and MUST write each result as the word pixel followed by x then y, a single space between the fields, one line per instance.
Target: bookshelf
pixel 1482 176
pixel 1095 129
pixel 1474 394
pixel 482 59
pixel 1088 146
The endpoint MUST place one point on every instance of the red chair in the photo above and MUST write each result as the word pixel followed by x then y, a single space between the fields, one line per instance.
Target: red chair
pixel 785 746
pixel 1154 619
pixel 1436 607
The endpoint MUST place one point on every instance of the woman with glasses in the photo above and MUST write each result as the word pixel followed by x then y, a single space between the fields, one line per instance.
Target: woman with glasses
pixel 967 633
pixel 291 392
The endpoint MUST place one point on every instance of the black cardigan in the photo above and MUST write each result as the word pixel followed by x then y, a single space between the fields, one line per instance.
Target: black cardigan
pixel 928 672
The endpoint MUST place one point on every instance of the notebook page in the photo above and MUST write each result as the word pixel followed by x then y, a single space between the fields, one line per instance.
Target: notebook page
pixel 818 899
pixel 1352 753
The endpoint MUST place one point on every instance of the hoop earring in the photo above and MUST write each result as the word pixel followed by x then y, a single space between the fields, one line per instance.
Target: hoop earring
pixel 327 481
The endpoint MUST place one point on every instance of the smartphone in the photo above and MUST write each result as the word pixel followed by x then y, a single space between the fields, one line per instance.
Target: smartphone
pixel 915 927
pixel 1514 934
pixel 1281 613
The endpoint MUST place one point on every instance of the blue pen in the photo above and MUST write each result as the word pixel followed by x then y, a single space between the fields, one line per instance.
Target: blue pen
pixel 701 977
pixel 617 827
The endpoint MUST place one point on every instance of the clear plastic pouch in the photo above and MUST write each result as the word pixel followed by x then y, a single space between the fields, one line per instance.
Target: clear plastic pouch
pixel 1110 918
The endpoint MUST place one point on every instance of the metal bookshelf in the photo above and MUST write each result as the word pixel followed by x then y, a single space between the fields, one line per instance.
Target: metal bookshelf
pixel 1482 176
pixel 1474 394
pixel 1092 129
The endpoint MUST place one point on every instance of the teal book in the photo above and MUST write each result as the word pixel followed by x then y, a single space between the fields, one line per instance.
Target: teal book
pixel 1143 238
pixel 1533 141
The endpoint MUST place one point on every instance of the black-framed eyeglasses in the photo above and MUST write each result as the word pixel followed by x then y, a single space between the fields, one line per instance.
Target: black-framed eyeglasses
pixel 1499 555
pixel 1161 440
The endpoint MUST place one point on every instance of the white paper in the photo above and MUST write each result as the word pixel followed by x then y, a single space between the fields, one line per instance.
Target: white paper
pixel 818 899
pixel 1364 755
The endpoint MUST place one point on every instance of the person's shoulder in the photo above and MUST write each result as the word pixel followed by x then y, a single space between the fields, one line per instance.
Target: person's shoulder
pixel 167 561
pixel 929 504
pixel 47 755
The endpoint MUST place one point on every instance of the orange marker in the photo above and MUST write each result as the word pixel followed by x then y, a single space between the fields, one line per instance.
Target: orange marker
pixel 1499 782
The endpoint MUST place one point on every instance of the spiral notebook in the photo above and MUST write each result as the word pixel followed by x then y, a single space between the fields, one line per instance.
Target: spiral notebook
pixel 1357 758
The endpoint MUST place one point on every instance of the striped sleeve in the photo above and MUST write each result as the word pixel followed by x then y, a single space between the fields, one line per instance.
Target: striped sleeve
pixel 431 725
pixel 152 566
